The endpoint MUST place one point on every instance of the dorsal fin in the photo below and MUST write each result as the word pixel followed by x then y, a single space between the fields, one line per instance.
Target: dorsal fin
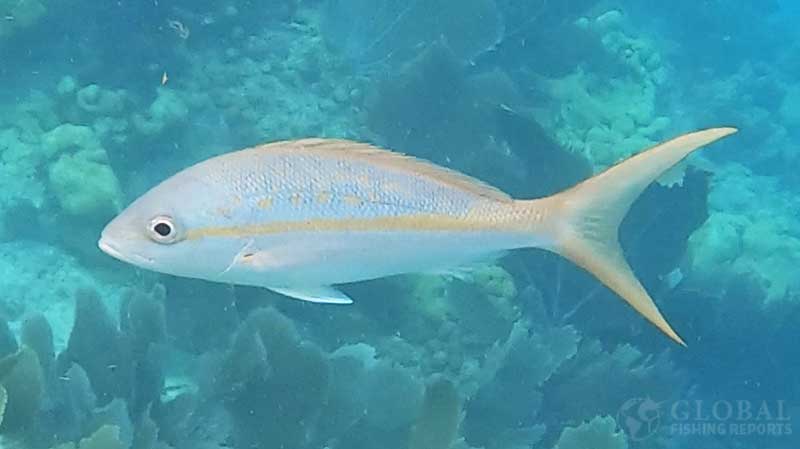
pixel 399 161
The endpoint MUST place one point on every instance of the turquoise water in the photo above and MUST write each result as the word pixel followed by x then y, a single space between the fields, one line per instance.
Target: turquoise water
pixel 101 100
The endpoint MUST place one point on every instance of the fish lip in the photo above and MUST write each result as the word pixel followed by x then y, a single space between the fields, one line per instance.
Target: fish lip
pixel 109 248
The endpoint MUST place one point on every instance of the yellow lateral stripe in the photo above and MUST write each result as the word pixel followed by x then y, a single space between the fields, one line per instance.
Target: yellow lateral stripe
pixel 422 222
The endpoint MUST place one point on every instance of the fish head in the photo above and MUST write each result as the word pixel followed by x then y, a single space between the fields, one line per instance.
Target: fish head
pixel 154 231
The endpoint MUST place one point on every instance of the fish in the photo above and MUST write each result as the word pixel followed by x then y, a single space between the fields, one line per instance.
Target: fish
pixel 302 217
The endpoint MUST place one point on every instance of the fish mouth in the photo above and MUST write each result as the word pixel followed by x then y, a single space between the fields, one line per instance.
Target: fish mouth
pixel 109 248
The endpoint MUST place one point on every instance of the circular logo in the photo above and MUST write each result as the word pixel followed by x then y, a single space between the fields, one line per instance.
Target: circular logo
pixel 639 418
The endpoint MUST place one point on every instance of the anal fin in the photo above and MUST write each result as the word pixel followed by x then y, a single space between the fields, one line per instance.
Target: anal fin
pixel 322 295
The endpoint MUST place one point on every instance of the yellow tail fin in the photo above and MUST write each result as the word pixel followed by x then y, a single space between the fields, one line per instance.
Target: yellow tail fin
pixel 586 218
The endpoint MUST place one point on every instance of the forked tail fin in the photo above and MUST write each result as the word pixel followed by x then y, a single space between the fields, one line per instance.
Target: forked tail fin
pixel 584 220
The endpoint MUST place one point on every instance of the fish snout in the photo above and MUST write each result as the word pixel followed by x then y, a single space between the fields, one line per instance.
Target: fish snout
pixel 107 247
pixel 116 249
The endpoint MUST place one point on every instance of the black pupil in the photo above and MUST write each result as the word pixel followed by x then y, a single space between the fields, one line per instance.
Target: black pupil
pixel 162 229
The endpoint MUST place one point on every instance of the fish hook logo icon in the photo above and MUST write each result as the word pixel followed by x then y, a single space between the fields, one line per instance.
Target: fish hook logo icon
pixel 640 418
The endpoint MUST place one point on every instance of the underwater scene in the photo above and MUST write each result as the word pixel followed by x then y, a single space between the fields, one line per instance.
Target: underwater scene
pixel 325 293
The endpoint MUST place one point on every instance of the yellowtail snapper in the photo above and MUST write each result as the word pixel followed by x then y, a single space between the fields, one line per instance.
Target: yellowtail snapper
pixel 299 217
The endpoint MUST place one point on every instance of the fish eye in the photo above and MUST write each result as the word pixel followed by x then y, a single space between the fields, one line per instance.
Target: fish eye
pixel 163 229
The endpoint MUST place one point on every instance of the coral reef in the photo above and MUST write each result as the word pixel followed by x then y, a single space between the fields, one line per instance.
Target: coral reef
pixel 596 118
pixel 750 232
pixel 605 118
pixel 527 351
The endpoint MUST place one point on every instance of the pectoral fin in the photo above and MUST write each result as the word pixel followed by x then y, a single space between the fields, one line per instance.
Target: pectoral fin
pixel 324 294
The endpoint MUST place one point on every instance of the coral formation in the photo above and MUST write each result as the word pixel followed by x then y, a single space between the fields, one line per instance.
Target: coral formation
pixel 605 121
pixel 96 344
pixel 437 423
pixel 85 185
pixel 106 437
pixel 272 363
pixel 168 109
pixel 22 378
pixel 599 433
pixel 750 232
pixel 609 119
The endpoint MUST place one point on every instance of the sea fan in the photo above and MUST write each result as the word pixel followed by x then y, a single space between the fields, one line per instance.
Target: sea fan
pixel 370 32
